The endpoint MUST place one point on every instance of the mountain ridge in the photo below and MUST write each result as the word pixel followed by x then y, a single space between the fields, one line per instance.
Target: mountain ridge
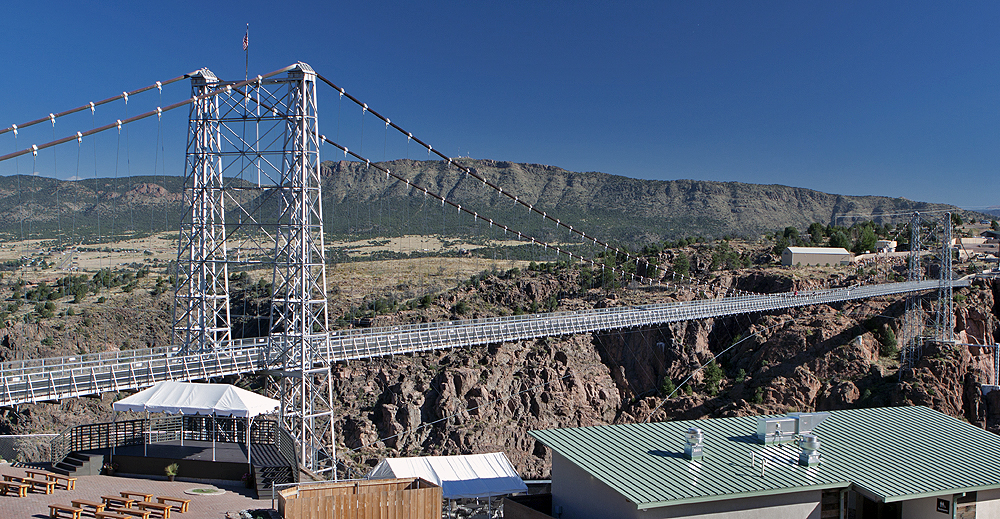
pixel 634 211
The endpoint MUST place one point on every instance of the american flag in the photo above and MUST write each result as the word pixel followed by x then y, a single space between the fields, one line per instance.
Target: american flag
pixel 246 40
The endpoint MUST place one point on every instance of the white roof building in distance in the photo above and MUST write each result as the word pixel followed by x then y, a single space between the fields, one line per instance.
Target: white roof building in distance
pixel 816 256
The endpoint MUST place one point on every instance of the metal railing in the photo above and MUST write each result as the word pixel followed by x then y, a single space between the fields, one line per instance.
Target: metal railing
pixel 97 436
pixel 155 429
pixel 63 377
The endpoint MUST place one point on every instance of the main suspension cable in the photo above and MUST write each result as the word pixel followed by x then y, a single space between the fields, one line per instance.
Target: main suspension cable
pixel 470 172
pixel 159 110
pixel 476 215
pixel 53 117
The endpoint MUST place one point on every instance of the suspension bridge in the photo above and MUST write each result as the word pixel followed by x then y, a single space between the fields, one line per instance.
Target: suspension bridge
pixel 266 129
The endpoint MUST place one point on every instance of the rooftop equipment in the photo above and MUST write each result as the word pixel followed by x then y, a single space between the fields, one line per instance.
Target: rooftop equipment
pixel 776 429
pixel 809 457
pixel 806 422
pixel 692 450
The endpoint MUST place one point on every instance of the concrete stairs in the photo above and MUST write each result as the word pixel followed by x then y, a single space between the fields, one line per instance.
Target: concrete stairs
pixel 79 464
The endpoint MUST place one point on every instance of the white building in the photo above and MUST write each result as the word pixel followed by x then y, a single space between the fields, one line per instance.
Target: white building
pixel 816 256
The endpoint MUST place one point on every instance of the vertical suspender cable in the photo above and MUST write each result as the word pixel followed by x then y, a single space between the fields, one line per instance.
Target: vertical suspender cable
pixel 17 175
pixel 55 176
pixel 97 188
pixel 128 173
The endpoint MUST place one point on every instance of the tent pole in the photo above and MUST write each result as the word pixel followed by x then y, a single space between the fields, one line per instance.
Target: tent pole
pixel 213 435
pixel 114 431
pixel 145 437
pixel 182 429
pixel 249 425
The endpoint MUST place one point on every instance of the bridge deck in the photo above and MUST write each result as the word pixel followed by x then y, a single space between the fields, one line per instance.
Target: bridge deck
pixel 64 377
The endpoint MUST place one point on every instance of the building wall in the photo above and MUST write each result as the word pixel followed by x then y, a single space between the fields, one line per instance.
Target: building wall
pixel 581 496
pixel 926 508
pixel 789 258
pixel 988 504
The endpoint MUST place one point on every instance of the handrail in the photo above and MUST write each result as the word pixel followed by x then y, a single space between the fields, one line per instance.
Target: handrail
pixel 106 435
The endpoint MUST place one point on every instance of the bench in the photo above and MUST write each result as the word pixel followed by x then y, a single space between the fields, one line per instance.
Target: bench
pixel 62 510
pixel 124 502
pixel 158 509
pixel 88 505
pixel 180 504
pixel 21 488
pixel 36 472
pixel 131 512
pixel 48 486
pixel 129 493
pixel 69 482
pixel 111 515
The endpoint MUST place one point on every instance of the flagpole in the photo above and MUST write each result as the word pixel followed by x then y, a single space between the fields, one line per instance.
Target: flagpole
pixel 246 47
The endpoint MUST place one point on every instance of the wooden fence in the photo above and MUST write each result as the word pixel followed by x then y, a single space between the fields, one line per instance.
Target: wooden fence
pixel 383 498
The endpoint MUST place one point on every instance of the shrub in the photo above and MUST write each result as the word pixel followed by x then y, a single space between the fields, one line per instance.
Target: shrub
pixel 461 308
pixel 667 386
pixel 888 346
pixel 682 264
pixel 713 376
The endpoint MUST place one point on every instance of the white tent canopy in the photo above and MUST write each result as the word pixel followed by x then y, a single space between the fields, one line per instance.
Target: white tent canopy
pixel 191 398
pixel 473 475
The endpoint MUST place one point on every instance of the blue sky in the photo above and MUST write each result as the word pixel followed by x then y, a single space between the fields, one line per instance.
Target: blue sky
pixel 886 98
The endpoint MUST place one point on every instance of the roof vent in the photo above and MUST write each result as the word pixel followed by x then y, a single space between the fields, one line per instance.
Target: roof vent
pixel 692 450
pixel 809 457
pixel 775 430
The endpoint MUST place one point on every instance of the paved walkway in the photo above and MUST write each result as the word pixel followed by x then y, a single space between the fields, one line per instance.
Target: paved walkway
pixel 91 488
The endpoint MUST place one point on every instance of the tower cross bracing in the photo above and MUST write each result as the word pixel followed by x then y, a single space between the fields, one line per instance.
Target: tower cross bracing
pixel 253 155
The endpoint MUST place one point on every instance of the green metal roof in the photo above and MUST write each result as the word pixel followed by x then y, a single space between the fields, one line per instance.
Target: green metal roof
pixel 892 454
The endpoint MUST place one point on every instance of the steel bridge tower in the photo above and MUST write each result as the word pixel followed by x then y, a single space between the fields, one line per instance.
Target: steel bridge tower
pixel 946 302
pixel 201 318
pixel 912 316
pixel 253 155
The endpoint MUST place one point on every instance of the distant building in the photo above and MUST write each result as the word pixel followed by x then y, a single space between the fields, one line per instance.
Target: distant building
pixel 972 247
pixel 816 256
pixel 894 462
pixel 884 246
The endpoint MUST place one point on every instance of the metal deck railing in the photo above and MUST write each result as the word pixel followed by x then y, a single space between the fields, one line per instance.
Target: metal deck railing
pixel 63 377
